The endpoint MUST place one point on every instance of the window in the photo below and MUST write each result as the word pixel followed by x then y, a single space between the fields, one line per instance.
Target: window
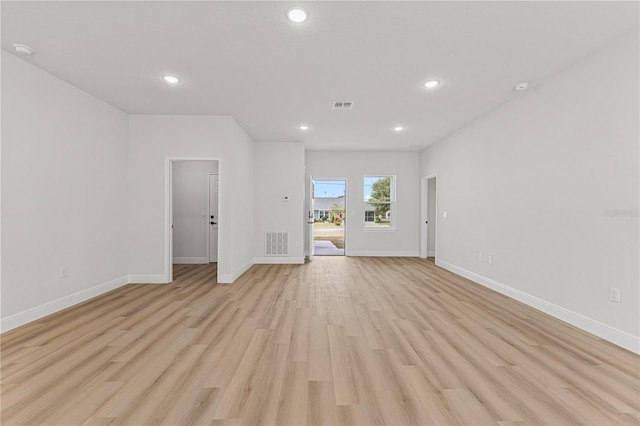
pixel 379 202
pixel 321 214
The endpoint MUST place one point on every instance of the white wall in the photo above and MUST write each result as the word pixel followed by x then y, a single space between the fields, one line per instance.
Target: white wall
pixel 531 184
pixel 279 173
pixel 190 207
pixel 64 194
pixel 153 139
pixel 353 166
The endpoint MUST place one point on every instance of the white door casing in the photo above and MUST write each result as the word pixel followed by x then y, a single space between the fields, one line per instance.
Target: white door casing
pixel 428 217
pixel 213 218
pixel 310 219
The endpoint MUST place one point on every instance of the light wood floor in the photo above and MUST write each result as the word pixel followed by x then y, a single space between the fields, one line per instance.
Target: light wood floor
pixel 340 340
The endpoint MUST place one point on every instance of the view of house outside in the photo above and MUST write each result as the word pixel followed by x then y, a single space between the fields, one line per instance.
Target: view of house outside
pixel 329 217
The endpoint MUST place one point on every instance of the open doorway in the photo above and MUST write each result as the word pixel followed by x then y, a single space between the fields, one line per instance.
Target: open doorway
pixel 329 218
pixel 193 213
pixel 429 227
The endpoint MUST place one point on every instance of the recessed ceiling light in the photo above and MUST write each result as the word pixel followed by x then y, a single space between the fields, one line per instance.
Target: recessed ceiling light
pixel 303 127
pixel 21 48
pixel 431 84
pixel 171 79
pixel 398 128
pixel 522 86
pixel 297 15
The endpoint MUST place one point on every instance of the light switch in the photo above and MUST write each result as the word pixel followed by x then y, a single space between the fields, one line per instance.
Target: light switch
pixel 445 214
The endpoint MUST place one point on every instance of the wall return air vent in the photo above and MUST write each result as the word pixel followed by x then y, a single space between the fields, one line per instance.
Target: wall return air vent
pixel 276 243
pixel 342 105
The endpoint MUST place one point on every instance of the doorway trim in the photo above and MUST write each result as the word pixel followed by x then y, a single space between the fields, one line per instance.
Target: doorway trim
pixel 424 192
pixel 168 213
pixel 209 213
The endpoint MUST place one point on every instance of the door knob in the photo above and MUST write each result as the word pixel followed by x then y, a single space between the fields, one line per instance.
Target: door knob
pixel 214 223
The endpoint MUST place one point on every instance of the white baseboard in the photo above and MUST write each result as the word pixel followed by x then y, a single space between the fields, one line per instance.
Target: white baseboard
pixel 606 332
pixel 431 254
pixel 384 253
pixel 147 279
pixel 229 278
pixel 277 260
pixel 33 314
pixel 54 306
pixel 190 260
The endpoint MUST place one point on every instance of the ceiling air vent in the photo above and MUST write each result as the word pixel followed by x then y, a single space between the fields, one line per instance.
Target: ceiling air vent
pixel 342 105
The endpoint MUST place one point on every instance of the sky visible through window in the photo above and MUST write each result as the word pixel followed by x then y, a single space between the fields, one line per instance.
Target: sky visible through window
pixel 336 188
pixel 328 188
pixel 368 185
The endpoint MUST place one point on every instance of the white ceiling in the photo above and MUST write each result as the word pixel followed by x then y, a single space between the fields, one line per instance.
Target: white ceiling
pixel 246 60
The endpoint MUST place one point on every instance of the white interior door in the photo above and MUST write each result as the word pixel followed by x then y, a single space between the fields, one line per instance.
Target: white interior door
pixel 310 219
pixel 213 218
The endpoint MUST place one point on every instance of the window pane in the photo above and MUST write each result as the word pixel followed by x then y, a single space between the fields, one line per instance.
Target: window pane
pixel 378 215
pixel 377 188
pixel 378 201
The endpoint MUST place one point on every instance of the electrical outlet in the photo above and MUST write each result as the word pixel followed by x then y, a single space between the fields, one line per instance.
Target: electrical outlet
pixel 614 294
pixel 479 257
pixel 64 272
pixel 490 260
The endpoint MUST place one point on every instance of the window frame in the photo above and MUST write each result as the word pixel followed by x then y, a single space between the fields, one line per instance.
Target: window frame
pixel 372 216
pixel 392 204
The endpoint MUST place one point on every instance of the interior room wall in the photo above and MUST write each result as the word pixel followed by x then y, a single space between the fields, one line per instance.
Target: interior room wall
pixel 190 206
pixel 279 173
pixel 548 186
pixel 353 166
pixel 242 208
pixel 155 138
pixel 64 194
